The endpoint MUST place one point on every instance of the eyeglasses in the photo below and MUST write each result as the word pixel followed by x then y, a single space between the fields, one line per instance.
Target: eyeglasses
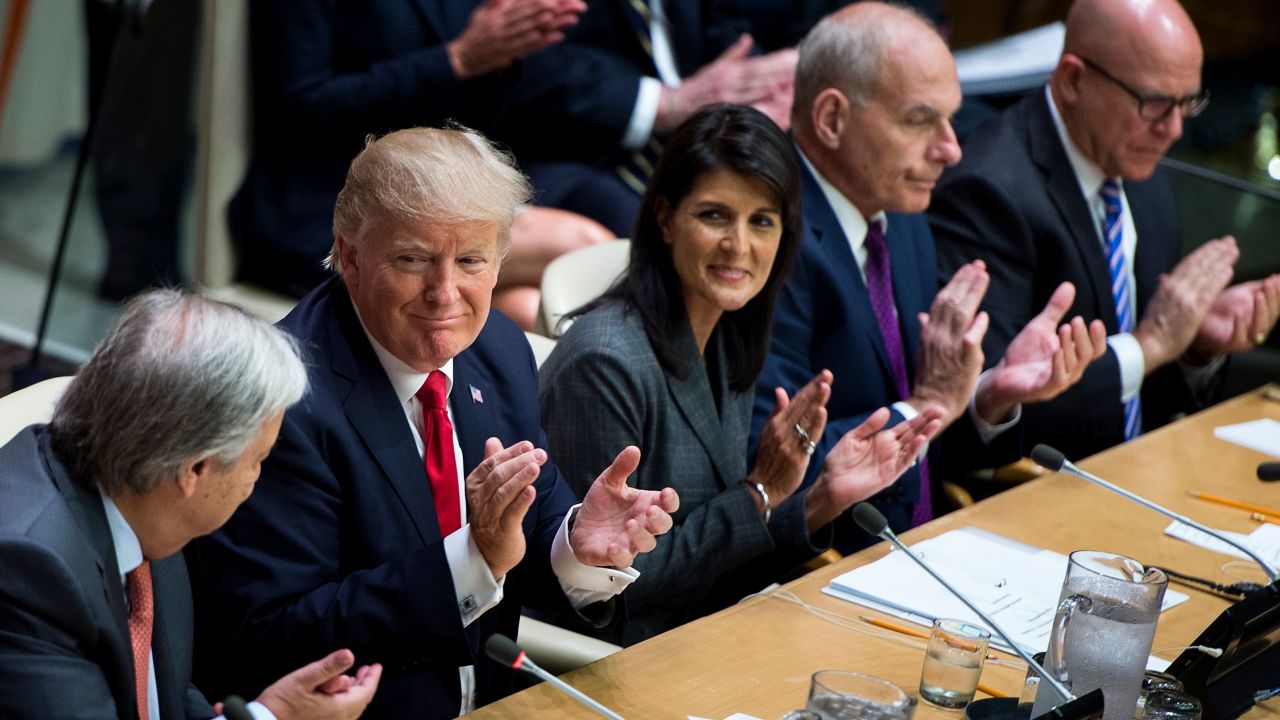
pixel 1154 108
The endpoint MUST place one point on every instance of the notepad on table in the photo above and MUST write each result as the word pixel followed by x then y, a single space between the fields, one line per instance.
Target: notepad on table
pixel 1016 584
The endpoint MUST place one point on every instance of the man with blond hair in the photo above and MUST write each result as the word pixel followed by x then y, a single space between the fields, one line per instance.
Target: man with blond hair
pixel 409 510
pixel 1064 188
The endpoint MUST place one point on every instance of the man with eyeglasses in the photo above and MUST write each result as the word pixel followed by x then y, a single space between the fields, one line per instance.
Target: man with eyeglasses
pixel 1064 187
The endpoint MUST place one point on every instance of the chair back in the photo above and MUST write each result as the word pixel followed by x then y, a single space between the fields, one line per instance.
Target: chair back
pixel 29 406
pixel 578 277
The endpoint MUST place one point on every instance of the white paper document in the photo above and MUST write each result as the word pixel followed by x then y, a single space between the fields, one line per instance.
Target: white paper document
pixel 1016 584
pixel 1261 435
pixel 1264 540
pixel 1012 64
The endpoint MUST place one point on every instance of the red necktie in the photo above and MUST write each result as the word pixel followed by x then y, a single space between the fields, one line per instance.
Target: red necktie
pixel 137 586
pixel 437 456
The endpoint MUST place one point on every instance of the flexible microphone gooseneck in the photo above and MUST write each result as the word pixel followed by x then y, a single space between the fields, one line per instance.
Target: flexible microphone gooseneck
pixel 1051 459
pixel 504 650
pixel 872 521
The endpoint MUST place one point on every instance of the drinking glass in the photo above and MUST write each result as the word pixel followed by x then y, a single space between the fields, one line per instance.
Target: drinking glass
pixel 841 695
pixel 953 662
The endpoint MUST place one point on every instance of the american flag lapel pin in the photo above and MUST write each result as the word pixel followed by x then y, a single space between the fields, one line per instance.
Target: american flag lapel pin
pixel 476 396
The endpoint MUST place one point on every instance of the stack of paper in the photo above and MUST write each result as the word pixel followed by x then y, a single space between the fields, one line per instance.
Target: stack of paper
pixel 1016 584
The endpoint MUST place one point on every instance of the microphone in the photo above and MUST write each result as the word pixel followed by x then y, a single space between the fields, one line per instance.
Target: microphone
pixel 872 521
pixel 234 708
pixel 1051 459
pixel 1269 471
pixel 504 650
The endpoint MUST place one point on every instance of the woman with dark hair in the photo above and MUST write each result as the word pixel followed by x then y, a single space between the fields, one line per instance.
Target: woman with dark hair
pixel 667 360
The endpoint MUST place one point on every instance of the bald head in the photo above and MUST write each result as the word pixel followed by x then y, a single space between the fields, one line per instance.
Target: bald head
pixel 1113 50
pixel 1104 30
pixel 875 91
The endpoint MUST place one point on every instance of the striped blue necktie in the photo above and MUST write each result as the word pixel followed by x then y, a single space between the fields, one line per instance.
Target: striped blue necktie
pixel 1114 227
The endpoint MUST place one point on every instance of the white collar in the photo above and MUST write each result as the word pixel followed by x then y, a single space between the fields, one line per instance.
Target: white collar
pixel 1088 174
pixel 123 538
pixel 851 221
pixel 405 380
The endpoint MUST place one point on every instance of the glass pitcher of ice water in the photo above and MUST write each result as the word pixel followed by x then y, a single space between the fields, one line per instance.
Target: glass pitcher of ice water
pixel 1103 629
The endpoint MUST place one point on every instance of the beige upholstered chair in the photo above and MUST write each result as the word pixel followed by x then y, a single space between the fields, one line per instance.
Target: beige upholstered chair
pixel 577 277
pixel 30 405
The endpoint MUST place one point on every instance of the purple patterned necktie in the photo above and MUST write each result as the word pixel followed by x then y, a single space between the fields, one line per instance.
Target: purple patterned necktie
pixel 880 290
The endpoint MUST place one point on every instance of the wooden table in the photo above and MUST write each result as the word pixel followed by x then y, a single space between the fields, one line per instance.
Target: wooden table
pixel 756 657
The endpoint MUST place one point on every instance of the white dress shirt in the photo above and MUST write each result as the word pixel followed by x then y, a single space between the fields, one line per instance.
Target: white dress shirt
pixel 854 226
pixel 128 558
pixel 476 588
pixel 645 110
pixel 1128 351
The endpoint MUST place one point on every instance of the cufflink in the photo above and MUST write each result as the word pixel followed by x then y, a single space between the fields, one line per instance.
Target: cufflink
pixel 468 604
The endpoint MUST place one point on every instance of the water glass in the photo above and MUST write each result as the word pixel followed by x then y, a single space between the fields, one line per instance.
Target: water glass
pixel 840 695
pixel 953 662
pixel 1169 705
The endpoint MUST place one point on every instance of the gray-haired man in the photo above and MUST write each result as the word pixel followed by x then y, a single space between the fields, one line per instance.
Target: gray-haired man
pixel 157 441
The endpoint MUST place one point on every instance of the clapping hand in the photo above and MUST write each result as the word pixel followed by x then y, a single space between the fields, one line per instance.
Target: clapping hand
pixel 1043 360
pixel 1241 317
pixel 866 460
pixel 616 521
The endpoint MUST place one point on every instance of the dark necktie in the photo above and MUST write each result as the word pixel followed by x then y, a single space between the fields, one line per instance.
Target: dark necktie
pixel 880 291
pixel 637 166
pixel 137 586
pixel 437 456
pixel 1113 227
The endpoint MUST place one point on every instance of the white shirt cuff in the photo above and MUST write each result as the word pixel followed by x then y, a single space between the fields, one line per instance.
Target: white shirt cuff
pixel 1132 363
pixel 257 710
pixel 477 590
pixel 908 413
pixel 990 431
pixel 643 114
pixel 584 584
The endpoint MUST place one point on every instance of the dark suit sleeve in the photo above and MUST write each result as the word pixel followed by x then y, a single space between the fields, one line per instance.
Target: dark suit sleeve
pixel 974 218
pixel 304 88
pixel 46 629
pixel 592 409
pixel 790 365
pixel 292 581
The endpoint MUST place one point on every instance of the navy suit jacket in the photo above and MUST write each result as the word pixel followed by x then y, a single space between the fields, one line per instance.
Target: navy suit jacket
pixel 1015 202
pixel 327 73
pixel 64 634
pixel 339 545
pixel 574 100
pixel 824 319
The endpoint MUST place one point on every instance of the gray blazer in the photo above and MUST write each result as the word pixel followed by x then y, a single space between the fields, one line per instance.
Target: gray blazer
pixel 603 389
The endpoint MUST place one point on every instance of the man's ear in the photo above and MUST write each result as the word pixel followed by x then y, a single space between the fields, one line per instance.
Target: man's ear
pixel 1066 80
pixel 349 257
pixel 829 115
pixel 193 473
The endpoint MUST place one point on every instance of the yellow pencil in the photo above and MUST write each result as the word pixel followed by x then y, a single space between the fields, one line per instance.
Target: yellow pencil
pixel 1210 497
pixel 904 630
pixel 1263 518
pixel 991 691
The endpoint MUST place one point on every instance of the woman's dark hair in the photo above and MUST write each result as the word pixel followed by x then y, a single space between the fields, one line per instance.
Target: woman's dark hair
pixel 721 137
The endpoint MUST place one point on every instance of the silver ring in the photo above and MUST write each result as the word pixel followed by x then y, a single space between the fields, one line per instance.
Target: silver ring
pixel 800 433
pixel 809 447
